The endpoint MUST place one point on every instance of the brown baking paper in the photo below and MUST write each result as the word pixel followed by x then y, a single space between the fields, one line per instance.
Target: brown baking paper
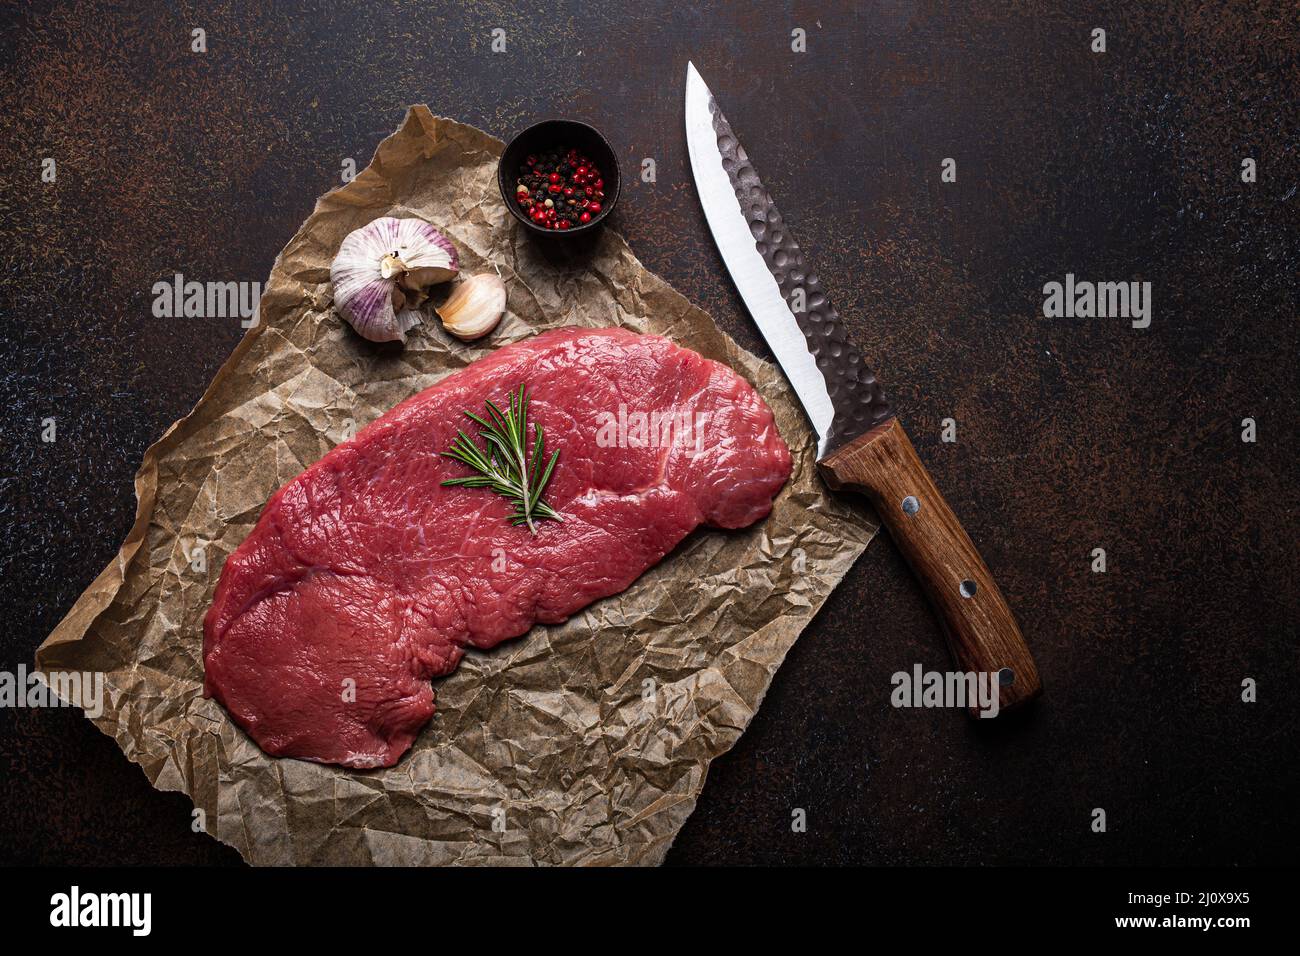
pixel 586 743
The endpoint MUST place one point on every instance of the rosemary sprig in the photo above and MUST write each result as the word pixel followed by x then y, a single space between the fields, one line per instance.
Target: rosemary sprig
pixel 505 465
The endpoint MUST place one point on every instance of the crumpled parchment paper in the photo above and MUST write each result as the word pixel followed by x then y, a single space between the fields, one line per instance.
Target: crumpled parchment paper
pixel 586 743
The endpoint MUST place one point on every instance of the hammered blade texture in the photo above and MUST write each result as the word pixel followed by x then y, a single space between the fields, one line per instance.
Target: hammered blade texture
pixel 858 399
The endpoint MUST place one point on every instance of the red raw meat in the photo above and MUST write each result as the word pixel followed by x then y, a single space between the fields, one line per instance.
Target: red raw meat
pixel 365 572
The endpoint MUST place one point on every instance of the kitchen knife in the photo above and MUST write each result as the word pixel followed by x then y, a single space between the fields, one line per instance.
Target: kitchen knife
pixel 861 445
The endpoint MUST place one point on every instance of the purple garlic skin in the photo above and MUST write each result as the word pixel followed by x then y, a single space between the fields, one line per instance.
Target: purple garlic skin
pixel 382 274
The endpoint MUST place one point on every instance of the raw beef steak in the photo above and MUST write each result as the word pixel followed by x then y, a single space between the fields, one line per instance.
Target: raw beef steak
pixel 365 577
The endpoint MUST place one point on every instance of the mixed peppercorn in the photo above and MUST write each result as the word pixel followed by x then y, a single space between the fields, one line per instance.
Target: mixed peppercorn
pixel 560 189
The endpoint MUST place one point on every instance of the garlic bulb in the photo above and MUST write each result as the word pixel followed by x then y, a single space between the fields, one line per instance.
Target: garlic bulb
pixel 382 274
pixel 475 307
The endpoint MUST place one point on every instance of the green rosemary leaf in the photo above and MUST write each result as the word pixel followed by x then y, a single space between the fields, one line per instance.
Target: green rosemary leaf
pixel 504 464
pixel 541 482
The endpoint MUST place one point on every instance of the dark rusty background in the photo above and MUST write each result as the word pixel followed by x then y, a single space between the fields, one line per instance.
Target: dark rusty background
pixel 1073 434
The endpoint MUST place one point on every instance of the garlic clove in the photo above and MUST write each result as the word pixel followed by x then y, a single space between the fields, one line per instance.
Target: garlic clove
pixel 474 307
pixel 422 277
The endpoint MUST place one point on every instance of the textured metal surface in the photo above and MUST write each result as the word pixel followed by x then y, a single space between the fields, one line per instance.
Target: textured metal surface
pixel 1071 435
pixel 856 397
pixel 750 272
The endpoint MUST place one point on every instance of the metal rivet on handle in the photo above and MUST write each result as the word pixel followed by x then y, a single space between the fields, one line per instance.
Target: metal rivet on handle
pixel 968 589
pixel 910 505
pixel 1006 676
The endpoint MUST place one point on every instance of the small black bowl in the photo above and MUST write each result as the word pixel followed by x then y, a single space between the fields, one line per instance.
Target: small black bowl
pixel 559 134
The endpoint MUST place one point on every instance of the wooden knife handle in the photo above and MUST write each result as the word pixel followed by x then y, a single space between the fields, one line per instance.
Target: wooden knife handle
pixel 982 633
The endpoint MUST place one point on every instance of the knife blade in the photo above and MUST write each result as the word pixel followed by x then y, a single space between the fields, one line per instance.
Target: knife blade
pixel 860 443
